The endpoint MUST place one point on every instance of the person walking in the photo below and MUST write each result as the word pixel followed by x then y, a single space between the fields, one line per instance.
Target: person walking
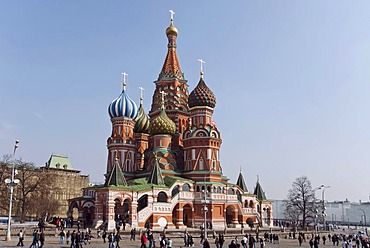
pixel 232 244
pixel 143 240
pixel 104 236
pixel 73 239
pixel 117 239
pixel 62 236
pixel 20 238
pixel 68 237
pixel 206 244
pixel 169 243
pixel 35 239
pixel 42 239
pixel 111 240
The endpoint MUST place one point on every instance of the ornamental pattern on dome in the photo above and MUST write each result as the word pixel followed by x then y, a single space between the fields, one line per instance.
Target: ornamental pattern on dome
pixel 162 125
pixel 202 96
pixel 123 106
pixel 142 121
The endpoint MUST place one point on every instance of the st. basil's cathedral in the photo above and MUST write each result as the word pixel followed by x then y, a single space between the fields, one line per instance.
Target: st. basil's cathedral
pixel 163 169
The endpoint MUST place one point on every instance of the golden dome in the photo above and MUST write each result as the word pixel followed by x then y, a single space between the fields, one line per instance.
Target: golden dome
pixel 162 125
pixel 171 30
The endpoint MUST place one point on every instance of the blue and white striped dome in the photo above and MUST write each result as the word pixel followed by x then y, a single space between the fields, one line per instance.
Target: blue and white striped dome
pixel 123 106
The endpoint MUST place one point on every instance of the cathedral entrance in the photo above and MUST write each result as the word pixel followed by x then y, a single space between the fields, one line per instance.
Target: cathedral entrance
pixel 122 212
pixel 229 215
pixel 188 215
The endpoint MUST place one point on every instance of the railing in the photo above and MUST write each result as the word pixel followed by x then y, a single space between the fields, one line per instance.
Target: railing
pixel 145 212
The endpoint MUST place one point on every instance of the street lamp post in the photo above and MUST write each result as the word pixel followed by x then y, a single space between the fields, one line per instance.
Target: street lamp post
pixel 205 209
pixel 363 211
pixel 323 187
pixel 11 183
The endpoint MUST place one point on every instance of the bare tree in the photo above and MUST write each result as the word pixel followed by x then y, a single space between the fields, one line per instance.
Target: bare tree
pixel 300 203
pixel 5 172
pixel 33 196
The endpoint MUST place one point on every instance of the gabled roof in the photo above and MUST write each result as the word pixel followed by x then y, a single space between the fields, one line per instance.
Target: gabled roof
pixel 241 183
pixel 155 176
pixel 258 191
pixel 116 177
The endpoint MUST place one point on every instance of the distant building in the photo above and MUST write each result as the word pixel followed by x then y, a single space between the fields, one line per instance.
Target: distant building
pixel 164 168
pixel 68 180
pixel 337 212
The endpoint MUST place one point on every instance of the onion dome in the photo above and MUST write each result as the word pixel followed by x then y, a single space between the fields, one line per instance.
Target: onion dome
pixel 172 30
pixel 123 106
pixel 162 124
pixel 142 120
pixel 202 96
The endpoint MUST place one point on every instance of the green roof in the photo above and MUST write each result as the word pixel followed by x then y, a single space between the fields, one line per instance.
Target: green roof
pixel 241 183
pixel 155 176
pixel 59 162
pixel 258 191
pixel 170 180
pixel 116 177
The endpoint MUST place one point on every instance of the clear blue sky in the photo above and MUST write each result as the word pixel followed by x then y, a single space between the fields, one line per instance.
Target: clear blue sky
pixel 291 80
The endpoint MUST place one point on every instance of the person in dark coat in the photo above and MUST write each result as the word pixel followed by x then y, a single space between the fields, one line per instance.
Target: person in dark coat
pixel 232 244
pixel 117 239
pixel 42 239
pixel 206 244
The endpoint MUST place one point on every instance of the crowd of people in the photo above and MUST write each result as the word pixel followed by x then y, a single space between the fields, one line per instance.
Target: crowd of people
pixel 81 237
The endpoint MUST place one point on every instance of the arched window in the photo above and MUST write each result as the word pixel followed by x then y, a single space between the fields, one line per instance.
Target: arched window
pixel 218 189
pixel 186 187
pixel 142 202
pixel 201 164
pixel 230 191
pixel 175 190
pixel 162 197
pixel 239 196
pixel 251 204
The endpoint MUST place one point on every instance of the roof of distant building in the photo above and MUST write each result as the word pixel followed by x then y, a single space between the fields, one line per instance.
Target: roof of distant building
pixel 57 161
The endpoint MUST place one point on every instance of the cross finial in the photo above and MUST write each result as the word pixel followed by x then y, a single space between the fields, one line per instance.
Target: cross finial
pixel 141 92
pixel 258 178
pixel 172 13
pixel 116 155
pixel 124 76
pixel 201 61
pixel 240 168
pixel 162 96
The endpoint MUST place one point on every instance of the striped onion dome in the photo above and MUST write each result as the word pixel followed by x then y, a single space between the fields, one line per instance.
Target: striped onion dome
pixel 142 120
pixel 162 124
pixel 202 96
pixel 123 106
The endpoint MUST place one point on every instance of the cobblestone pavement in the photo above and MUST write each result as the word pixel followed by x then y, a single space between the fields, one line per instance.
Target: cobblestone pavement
pixel 52 242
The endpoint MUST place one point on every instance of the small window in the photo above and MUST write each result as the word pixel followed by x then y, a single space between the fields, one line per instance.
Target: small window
pixel 186 187
pixel 162 197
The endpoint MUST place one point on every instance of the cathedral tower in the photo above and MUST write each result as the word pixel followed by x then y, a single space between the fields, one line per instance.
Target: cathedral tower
pixel 171 81
pixel 122 112
pixel 202 140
